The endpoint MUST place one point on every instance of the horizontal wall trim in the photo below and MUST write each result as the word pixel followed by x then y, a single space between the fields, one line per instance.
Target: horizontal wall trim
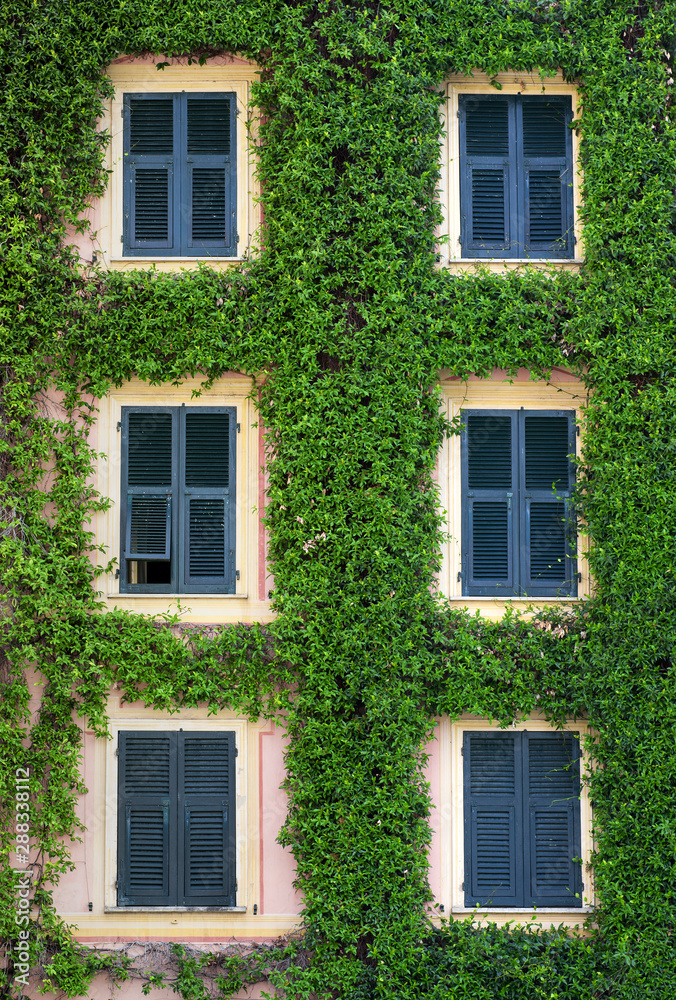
pixel 163 597
pixel 174 909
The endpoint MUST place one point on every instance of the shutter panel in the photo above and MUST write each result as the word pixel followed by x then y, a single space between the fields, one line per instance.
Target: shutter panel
pixel 547 544
pixel 486 144
pixel 489 485
pixel 150 158
pixel 148 527
pixel 552 806
pixel 208 487
pixel 147 784
pixel 547 445
pixel 493 819
pixel 547 562
pixel 546 206
pixel 546 175
pixel 209 179
pixel 148 444
pixel 207 796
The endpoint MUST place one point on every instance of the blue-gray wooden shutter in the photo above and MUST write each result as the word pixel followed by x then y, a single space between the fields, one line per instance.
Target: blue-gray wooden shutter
pixel 207 804
pixel 552 818
pixel 149 488
pixel 493 819
pixel 545 175
pixel 151 184
pixel 147 819
pixel 208 440
pixel 209 180
pixel 546 480
pixel 487 176
pixel 489 482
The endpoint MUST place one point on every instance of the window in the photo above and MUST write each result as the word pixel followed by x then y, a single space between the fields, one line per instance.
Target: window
pixel 516 176
pixel 176 819
pixel 180 174
pixel 178 499
pixel 522 819
pixel 517 476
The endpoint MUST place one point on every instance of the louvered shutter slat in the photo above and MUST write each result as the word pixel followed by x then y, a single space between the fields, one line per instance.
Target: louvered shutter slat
pixel 207 794
pixel 544 127
pixel 150 162
pixel 207 538
pixel 490 530
pixel 207 475
pixel 547 445
pixel 148 443
pixel 546 480
pixel 209 126
pixel 209 180
pixel 546 151
pixel 488 207
pixel 545 206
pixel 146 818
pixel 547 543
pixel 209 220
pixel 489 452
pixel 488 490
pixel 552 800
pixel 493 819
pixel 148 528
pixel 486 127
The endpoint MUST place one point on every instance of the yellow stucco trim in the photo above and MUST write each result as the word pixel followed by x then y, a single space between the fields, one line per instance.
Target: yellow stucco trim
pixel 230 390
pixel 100 858
pixel 562 392
pixel 129 75
pixel 451 827
pixel 449 185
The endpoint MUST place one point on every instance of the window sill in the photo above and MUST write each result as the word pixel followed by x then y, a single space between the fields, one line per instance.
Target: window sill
pixel 524 599
pixel 167 263
pixel 533 910
pixel 182 597
pixel 174 909
pixel 512 263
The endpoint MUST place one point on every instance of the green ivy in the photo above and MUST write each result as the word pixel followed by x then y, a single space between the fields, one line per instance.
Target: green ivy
pixel 349 319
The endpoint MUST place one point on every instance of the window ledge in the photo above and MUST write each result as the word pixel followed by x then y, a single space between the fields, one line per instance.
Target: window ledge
pixel 533 910
pixel 512 263
pixel 174 909
pixel 182 597
pixel 522 600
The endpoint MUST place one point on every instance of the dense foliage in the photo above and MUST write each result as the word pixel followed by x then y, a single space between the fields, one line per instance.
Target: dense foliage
pixel 348 318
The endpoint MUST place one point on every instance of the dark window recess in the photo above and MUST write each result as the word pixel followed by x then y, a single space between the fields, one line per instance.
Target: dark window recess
pixel 517 525
pixel 178 500
pixel 179 175
pixel 522 819
pixel 176 819
pixel 516 176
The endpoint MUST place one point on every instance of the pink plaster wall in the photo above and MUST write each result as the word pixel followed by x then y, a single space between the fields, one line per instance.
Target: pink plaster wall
pixel 101 989
pixel 277 895
pixel 277 866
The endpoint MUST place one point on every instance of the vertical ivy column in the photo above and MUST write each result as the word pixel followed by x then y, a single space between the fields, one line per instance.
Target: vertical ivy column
pixel 352 507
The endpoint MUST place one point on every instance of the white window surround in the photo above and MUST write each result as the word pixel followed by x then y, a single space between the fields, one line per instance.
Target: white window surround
pixel 140 75
pixel 562 392
pixel 451 825
pixel 449 187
